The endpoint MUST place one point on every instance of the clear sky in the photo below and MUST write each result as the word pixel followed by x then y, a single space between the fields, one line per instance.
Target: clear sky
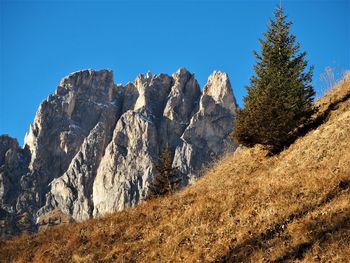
pixel 43 41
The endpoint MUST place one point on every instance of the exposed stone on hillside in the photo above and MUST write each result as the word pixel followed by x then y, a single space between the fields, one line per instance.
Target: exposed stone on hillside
pixel 208 134
pixel 72 192
pixel 92 146
pixel 182 103
pixel 66 118
pixel 53 218
pixel 122 176
pixel 13 164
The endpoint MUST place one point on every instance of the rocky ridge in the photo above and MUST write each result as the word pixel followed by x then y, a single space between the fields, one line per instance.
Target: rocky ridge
pixel 92 146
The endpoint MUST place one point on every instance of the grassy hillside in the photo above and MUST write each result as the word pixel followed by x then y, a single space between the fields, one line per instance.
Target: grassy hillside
pixel 248 207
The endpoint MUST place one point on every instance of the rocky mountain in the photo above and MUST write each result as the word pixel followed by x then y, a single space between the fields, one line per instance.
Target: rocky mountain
pixel 92 146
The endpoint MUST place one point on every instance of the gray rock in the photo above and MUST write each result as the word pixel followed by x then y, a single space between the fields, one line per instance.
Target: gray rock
pixel 92 106
pixel 200 133
pixel 8 176
pixel 65 119
pixel 207 136
pixel 13 164
pixel 182 102
pixel 127 165
pixel 72 192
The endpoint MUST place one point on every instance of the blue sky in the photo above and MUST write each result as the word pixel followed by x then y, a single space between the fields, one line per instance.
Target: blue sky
pixel 43 41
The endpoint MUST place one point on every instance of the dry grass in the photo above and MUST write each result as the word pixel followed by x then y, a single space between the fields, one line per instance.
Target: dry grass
pixel 248 207
pixel 340 90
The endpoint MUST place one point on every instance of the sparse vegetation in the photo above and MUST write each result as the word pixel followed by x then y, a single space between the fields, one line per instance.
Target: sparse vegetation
pixel 248 207
pixel 280 97
pixel 329 78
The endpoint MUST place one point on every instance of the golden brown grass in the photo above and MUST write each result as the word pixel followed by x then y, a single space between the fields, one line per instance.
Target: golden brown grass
pixel 248 207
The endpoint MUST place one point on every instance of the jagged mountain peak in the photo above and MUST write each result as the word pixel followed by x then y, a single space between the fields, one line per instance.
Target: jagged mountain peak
pixel 93 144
pixel 85 76
pixel 219 89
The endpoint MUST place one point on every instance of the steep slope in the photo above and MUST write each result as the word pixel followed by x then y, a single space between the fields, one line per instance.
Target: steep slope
pixel 247 208
pixel 92 146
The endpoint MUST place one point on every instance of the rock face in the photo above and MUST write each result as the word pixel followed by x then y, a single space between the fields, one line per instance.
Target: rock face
pixel 207 135
pixel 92 146
pixel 14 163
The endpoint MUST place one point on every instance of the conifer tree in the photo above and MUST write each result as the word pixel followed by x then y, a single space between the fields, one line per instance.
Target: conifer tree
pixel 166 180
pixel 280 96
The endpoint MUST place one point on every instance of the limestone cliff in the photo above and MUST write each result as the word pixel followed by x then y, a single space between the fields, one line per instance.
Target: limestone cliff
pixel 92 146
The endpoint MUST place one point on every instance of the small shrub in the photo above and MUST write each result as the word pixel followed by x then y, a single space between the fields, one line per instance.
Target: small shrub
pixel 166 180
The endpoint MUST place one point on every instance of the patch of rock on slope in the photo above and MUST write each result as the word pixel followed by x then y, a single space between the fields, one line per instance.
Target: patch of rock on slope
pixel 293 207
pixel 92 145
